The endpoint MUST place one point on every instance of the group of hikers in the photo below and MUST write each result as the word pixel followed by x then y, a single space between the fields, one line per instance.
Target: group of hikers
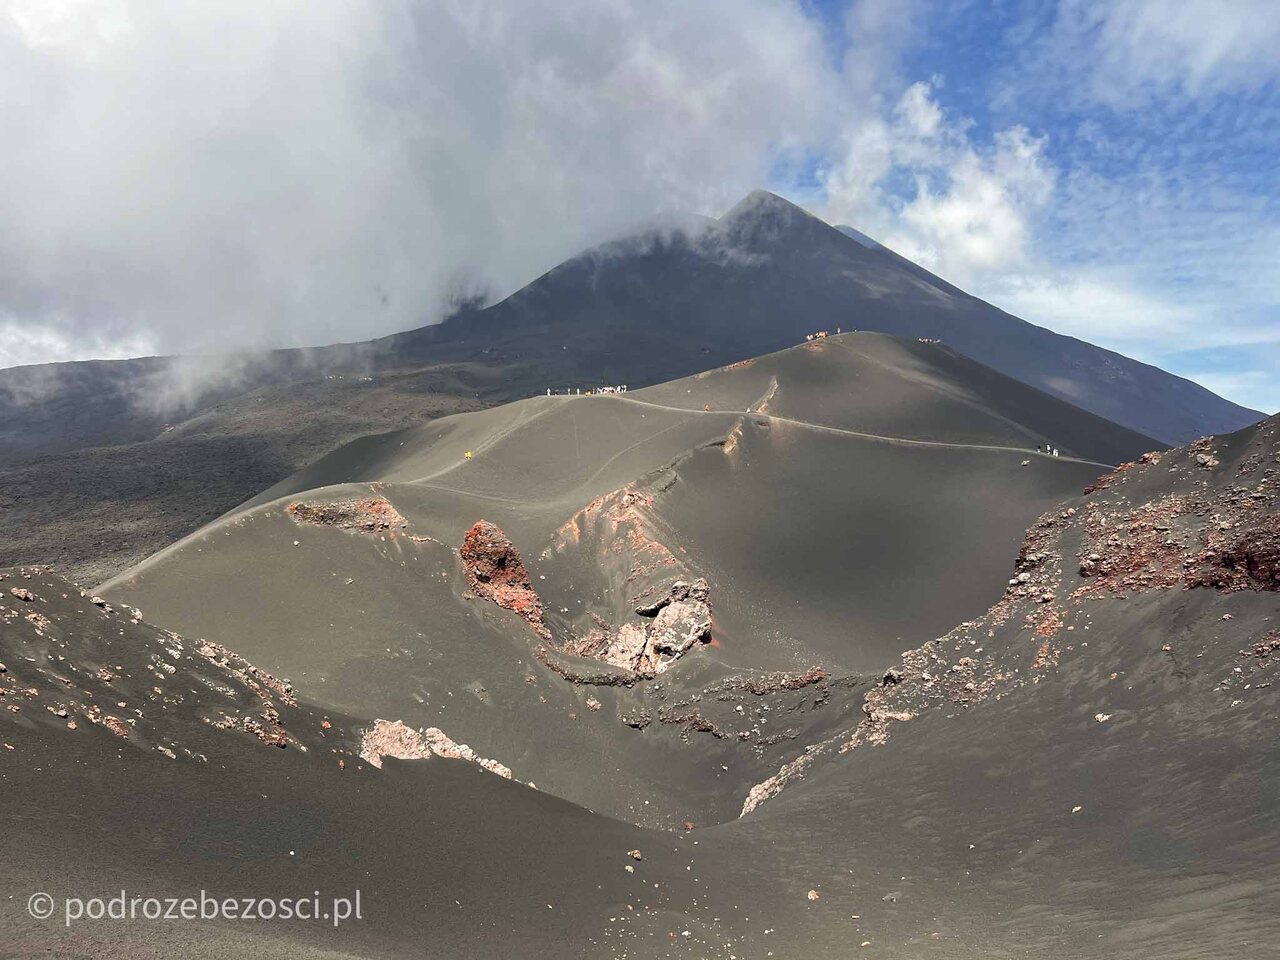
pixel 591 391
pixel 1047 450
pixel 823 334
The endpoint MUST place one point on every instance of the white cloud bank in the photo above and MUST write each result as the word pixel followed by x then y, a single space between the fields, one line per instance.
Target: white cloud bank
pixel 1132 51
pixel 191 175
pixel 970 206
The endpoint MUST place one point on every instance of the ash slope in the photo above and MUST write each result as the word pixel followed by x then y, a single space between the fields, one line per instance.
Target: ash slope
pixel 130 479
pixel 1085 770
pixel 949 829
pixel 818 542
pixel 132 758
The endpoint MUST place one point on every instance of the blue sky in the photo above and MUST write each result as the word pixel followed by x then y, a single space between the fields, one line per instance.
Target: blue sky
pixel 190 177
pixel 1107 169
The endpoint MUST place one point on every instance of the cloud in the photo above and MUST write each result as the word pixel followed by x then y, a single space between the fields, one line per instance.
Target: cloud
pixel 1104 310
pixel 876 35
pixel 967 205
pixel 26 343
pixel 1133 51
pixel 977 219
pixel 194 176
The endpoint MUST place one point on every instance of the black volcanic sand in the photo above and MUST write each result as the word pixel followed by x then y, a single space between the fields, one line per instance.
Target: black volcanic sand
pixel 450 860
pixel 822 549
pixel 119 482
pixel 1114 792
pixel 902 388
pixel 1171 853
pixel 847 564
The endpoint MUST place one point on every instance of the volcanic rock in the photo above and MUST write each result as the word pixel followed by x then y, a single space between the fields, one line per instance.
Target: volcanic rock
pixel 679 590
pixel 677 627
pixel 371 514
pixel 627 647
pixel 681 619
pixel 388 738
pixel 496 572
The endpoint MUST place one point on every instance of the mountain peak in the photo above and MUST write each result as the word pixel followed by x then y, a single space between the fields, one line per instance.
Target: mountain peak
pixel 761 219
pixel 762 202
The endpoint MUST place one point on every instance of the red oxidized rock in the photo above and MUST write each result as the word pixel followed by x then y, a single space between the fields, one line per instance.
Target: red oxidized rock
pixel 496 572
pixel 372 514
pixel 1242 558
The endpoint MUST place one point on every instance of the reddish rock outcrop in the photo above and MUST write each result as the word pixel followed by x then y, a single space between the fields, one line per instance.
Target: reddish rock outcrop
pixel 1107 479
pixel 623 524
pixel 1245 556
pixel 496 572
pixel 774 682
pixel 1227 539
pixel 372 514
